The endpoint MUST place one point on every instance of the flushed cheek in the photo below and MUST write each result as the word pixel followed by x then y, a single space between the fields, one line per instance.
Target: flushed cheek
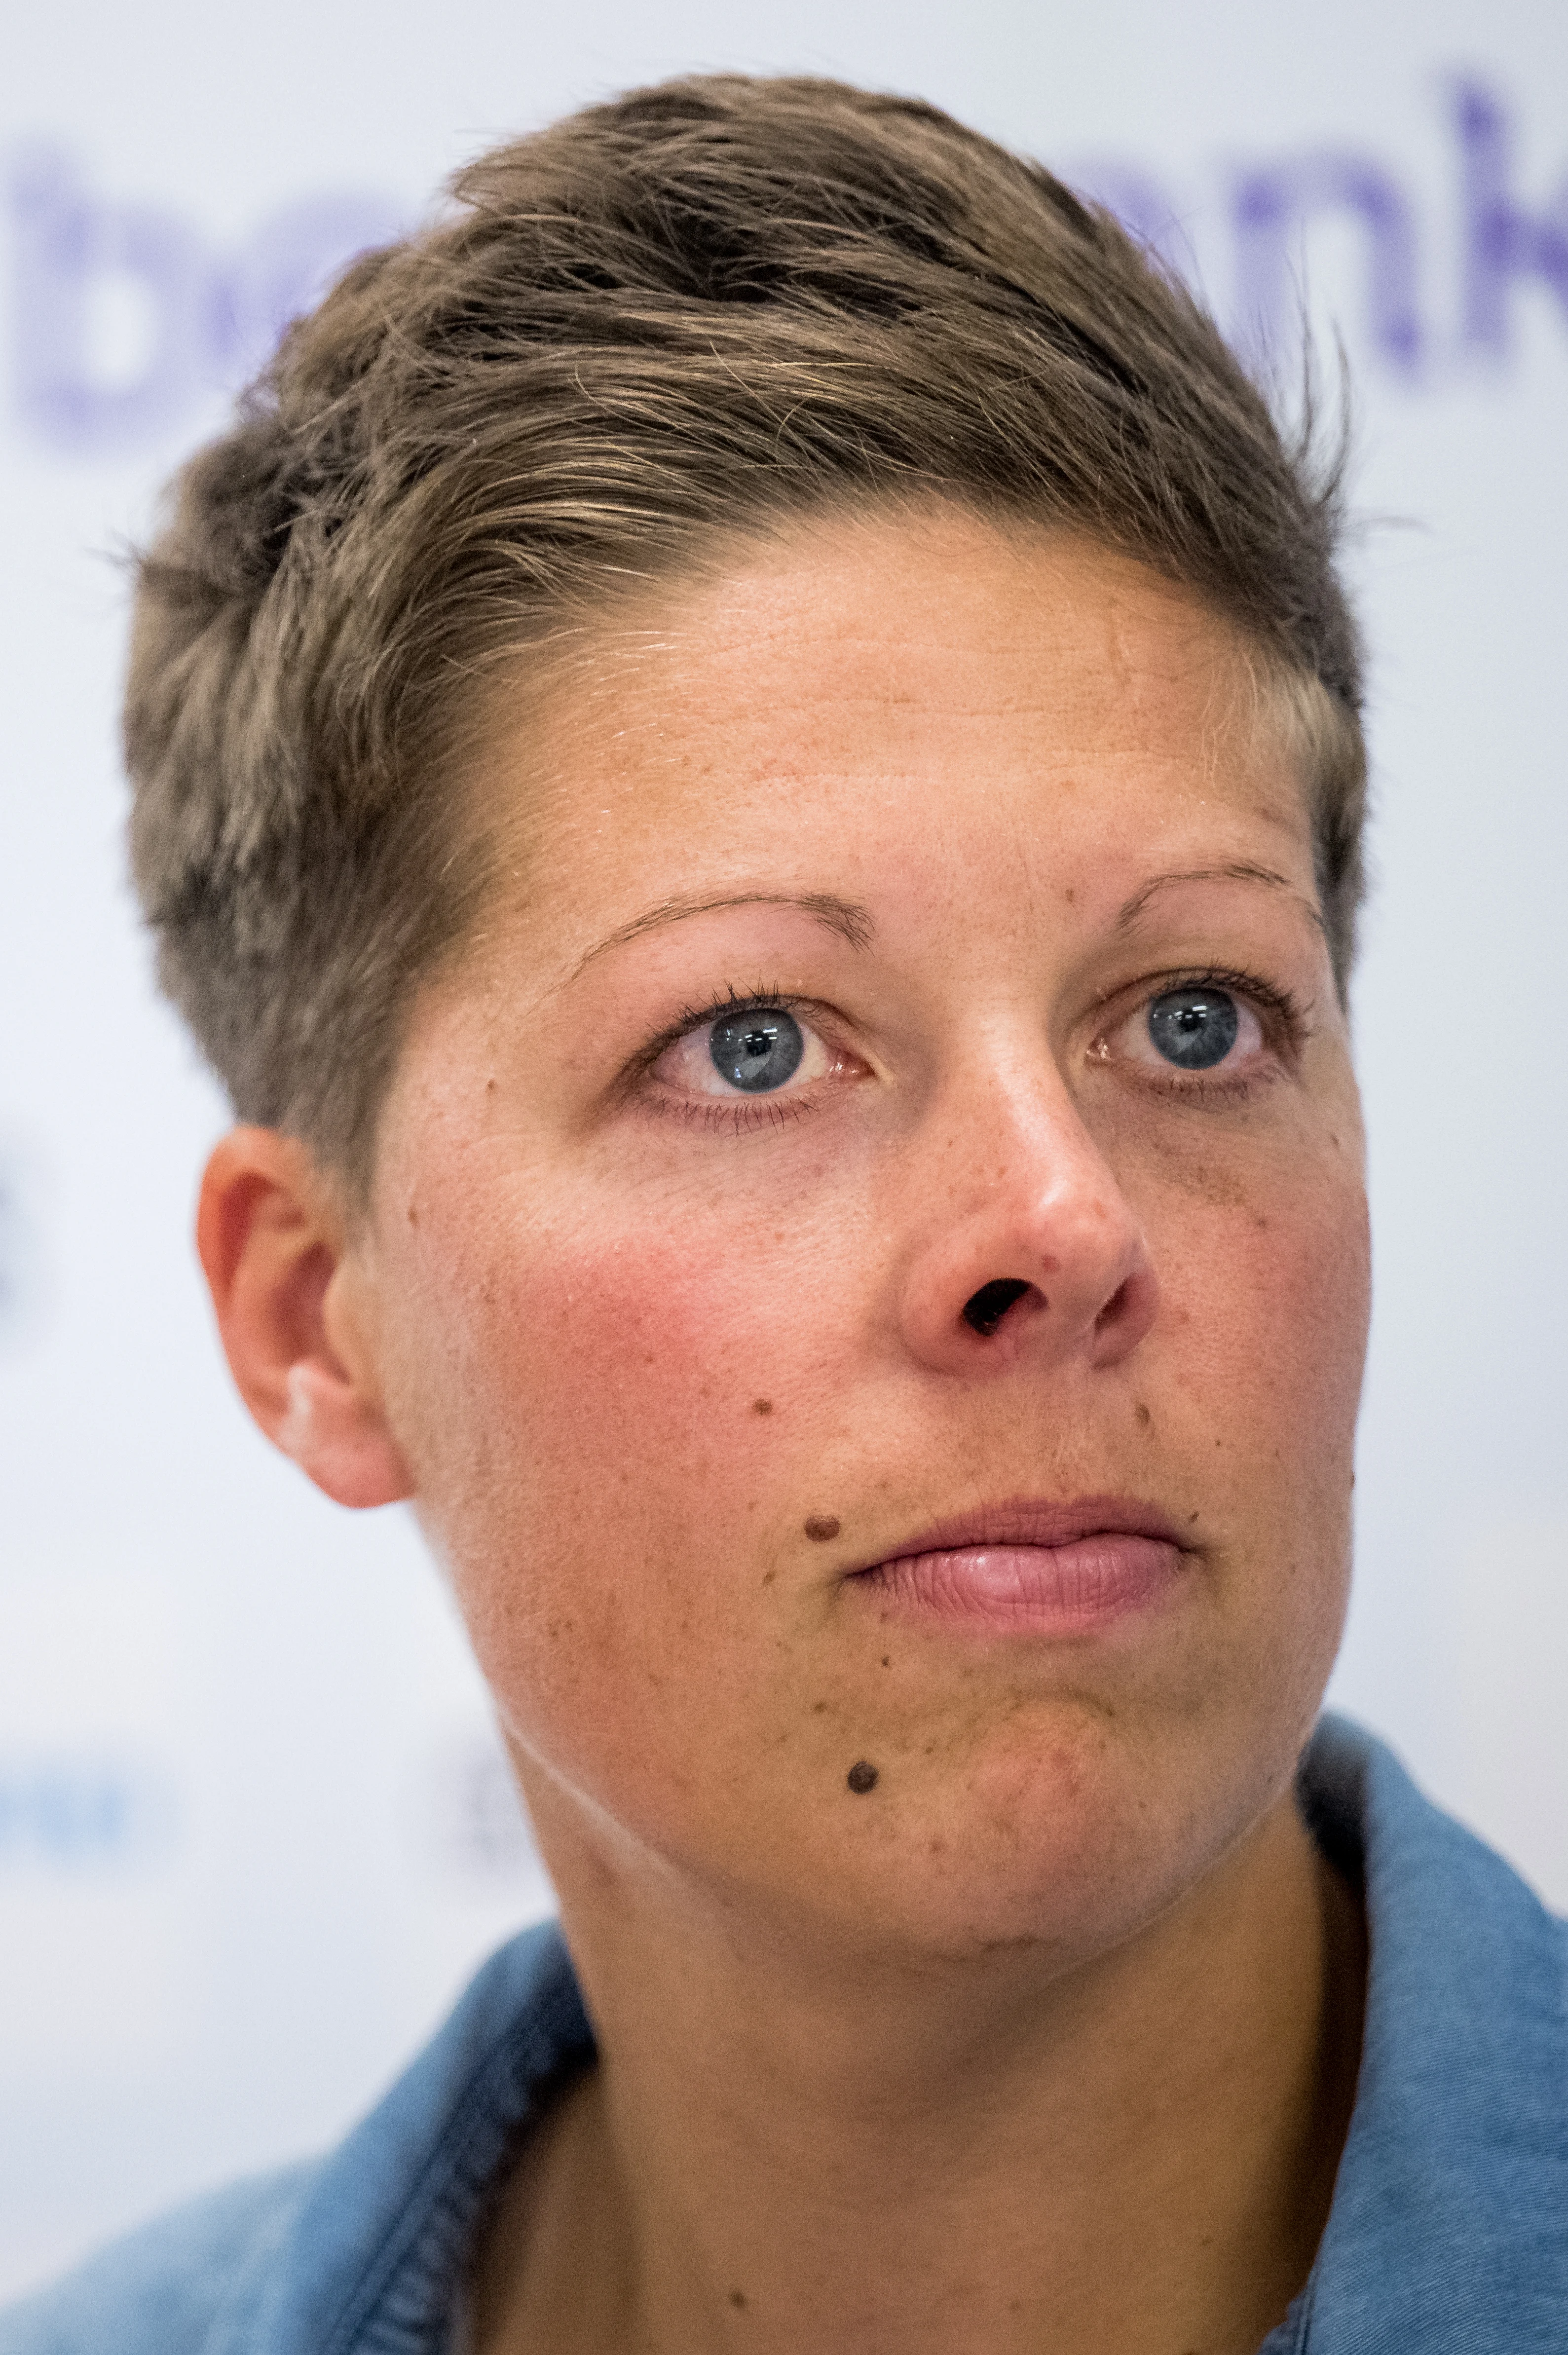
pixel 673 1332
pixel 617 1416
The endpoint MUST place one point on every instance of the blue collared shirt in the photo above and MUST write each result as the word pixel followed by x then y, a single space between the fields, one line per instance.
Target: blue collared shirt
pixel 1448 2234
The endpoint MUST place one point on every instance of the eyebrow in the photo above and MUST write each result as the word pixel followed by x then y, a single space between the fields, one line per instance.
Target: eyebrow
pixel 1239 870
pixel 847 918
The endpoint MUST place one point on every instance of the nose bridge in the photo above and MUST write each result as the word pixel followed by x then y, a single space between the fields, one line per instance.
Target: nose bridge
pixel 1025 1231
pixel 1015 1141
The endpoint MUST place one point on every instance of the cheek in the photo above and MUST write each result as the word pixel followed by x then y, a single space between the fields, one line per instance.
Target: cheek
pixel 602 1433
pixel 1297 1331
pixel 1265 1287
pixel 581 1329
pixel 1261 1249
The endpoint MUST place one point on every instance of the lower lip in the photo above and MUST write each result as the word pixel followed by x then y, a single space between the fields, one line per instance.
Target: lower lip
pixel 1055 1589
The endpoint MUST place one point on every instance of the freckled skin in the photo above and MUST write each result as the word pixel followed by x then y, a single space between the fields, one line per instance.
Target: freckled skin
pixel 625 1344
pixel 564 1327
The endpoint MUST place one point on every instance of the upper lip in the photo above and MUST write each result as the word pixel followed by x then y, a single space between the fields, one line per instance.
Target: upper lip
pixel 1033 1521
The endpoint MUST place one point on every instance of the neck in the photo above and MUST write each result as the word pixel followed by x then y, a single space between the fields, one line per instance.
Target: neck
pixel 779 2151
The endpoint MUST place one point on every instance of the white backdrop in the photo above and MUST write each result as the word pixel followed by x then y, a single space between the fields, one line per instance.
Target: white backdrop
pixel 253 1831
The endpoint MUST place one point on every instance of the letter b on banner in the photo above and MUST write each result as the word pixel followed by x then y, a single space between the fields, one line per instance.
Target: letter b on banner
pixel 126 319
pixel 111 302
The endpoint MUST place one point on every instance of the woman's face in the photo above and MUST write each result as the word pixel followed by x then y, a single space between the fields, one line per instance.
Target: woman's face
pixel 912 911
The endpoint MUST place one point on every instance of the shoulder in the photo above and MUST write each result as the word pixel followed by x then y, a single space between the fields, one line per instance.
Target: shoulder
pixel 371 2237
pixel 1461 1946
pixel 184 2285
pixel 1448 2230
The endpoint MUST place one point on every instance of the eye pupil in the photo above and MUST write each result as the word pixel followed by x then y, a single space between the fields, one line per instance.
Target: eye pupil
pixel 756 1051
pixel 1194 1027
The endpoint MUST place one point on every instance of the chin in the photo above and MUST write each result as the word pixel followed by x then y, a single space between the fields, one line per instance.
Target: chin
pixel 1066 1834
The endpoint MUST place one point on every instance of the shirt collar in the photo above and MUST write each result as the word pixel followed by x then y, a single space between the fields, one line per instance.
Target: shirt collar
pixel 1448 2230
pixel 1447 2234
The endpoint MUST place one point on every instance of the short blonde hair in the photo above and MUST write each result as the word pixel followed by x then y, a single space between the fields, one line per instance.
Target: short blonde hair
pixel 696 312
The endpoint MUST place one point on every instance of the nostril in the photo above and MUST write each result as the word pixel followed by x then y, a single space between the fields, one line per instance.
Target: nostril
pixel 988 1307
pixel 1116 1308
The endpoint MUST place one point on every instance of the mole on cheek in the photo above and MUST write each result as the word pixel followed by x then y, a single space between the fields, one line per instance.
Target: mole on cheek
pixel 820 1527
pixel 1145 1418
pixel 862 1777
pixel 762 1406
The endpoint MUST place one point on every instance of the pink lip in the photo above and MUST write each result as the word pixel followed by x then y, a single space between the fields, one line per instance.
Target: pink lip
pixel 1032 1567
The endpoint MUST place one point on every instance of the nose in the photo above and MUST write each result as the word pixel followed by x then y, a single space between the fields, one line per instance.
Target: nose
pixel 1026 1244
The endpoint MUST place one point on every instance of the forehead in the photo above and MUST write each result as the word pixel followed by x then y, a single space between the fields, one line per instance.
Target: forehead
pixel 866 688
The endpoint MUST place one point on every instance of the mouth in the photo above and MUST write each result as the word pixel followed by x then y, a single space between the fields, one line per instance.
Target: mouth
pixel 1032 1567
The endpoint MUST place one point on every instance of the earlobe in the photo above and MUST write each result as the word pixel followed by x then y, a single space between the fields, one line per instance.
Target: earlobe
pixel 338 1439
pixel 273 1248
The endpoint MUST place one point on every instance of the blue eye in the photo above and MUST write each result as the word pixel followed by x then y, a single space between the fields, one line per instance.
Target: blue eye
pixel 756 1051
pixel 1194 1027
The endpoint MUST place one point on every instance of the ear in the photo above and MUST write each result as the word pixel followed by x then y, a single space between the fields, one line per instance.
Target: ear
pixel 290 1305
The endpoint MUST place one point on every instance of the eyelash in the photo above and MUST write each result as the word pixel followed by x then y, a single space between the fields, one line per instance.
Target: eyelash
pixel 1268 998
pixel 739 1115
pixel 1279 1002
pixel 698 1017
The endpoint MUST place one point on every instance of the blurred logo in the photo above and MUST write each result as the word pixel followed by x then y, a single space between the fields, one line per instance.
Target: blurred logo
pixel 1438 283
pixel 127 318
pixel 75 1813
